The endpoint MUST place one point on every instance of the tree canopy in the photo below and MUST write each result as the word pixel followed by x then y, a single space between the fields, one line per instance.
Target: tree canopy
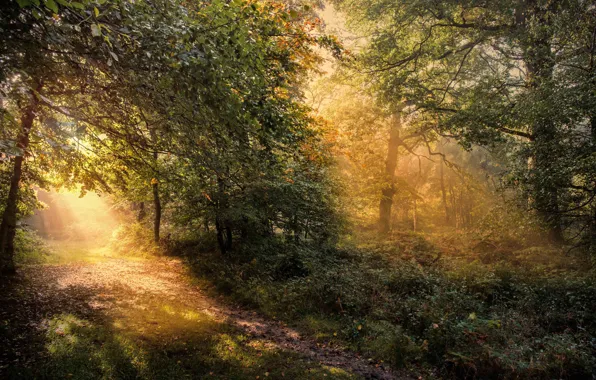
pixel 515 73
pixel 417 185
pixel 196 106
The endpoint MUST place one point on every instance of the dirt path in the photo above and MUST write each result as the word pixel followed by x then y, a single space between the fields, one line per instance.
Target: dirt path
pixel 132 293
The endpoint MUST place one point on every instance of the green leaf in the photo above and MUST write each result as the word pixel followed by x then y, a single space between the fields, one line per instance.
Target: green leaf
pixel 96 11
pixel 23 3
pixel 76 4
pixel 51 5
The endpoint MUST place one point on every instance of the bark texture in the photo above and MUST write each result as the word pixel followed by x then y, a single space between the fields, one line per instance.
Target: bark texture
pixel 9 218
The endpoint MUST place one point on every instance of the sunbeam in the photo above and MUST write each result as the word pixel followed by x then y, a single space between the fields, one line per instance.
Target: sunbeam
pixel 68 216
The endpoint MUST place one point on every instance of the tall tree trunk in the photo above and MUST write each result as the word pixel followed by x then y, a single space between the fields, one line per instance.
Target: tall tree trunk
pixel 220 238
pixel 157 207
pixel 453 201
pixel 539 60
pixel 388 191
pixel 442 183
pixel 415 215
pixel 155 188
pixel 142 213
pixel 9 218
pixel 228 237
pixel 592 115
pixel 296 228
pixel 592 240
pixel 224 230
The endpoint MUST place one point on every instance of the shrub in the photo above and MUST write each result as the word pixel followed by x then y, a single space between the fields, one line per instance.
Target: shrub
pixel 29 247
pixel 468 318
pixel 133 239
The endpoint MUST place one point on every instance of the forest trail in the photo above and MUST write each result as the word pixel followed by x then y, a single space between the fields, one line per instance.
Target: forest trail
pixel 143 318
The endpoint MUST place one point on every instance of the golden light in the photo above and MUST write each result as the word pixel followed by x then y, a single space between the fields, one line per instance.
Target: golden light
pixel 67 216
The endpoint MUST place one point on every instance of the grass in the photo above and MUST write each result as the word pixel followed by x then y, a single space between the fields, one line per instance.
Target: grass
pixel 112 332
pixel 122 243
pixel 166 343
pixel 69 252
pixel 455 308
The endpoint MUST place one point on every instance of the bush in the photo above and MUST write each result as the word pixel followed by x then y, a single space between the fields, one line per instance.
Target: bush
pixel 29 247
pixel 390 301
pixel 133 239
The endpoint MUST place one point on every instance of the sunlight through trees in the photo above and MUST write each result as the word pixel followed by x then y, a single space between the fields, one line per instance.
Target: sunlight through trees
pixel 409 184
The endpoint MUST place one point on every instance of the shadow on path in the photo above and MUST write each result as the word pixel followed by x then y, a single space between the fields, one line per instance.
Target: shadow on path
pixel 130 319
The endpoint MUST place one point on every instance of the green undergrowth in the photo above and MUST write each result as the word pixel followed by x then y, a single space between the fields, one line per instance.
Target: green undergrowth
pixel 130 241
pixel 30 248
pixel 133 240
pixel 492 310
pixel 148 339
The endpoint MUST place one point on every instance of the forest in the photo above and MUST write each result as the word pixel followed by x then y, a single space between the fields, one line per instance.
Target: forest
pixel 301 189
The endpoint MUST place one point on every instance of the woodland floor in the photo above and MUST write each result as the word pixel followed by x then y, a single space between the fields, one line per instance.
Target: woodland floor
pixel 115 318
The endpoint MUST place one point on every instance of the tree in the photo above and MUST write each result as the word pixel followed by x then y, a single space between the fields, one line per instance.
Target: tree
pixel 29 70
pixel 205 122
pixel 388 191
pixel 490 73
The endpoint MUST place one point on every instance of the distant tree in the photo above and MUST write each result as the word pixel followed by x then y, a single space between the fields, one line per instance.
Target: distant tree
pixel 494 72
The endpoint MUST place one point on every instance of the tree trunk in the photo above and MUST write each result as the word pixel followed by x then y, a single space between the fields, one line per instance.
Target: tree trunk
pixel 540 60
pixel 388 191
pixel 142 213
pixel 592 238
pixel 224 231
pixel 9 218
pixel 220 238
pixel 415 215
pixel 453 200
pixel 442 183
pixel 592 241
pixel 155 188
pixel 228 237
pixel 157 206
pixel 296 228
